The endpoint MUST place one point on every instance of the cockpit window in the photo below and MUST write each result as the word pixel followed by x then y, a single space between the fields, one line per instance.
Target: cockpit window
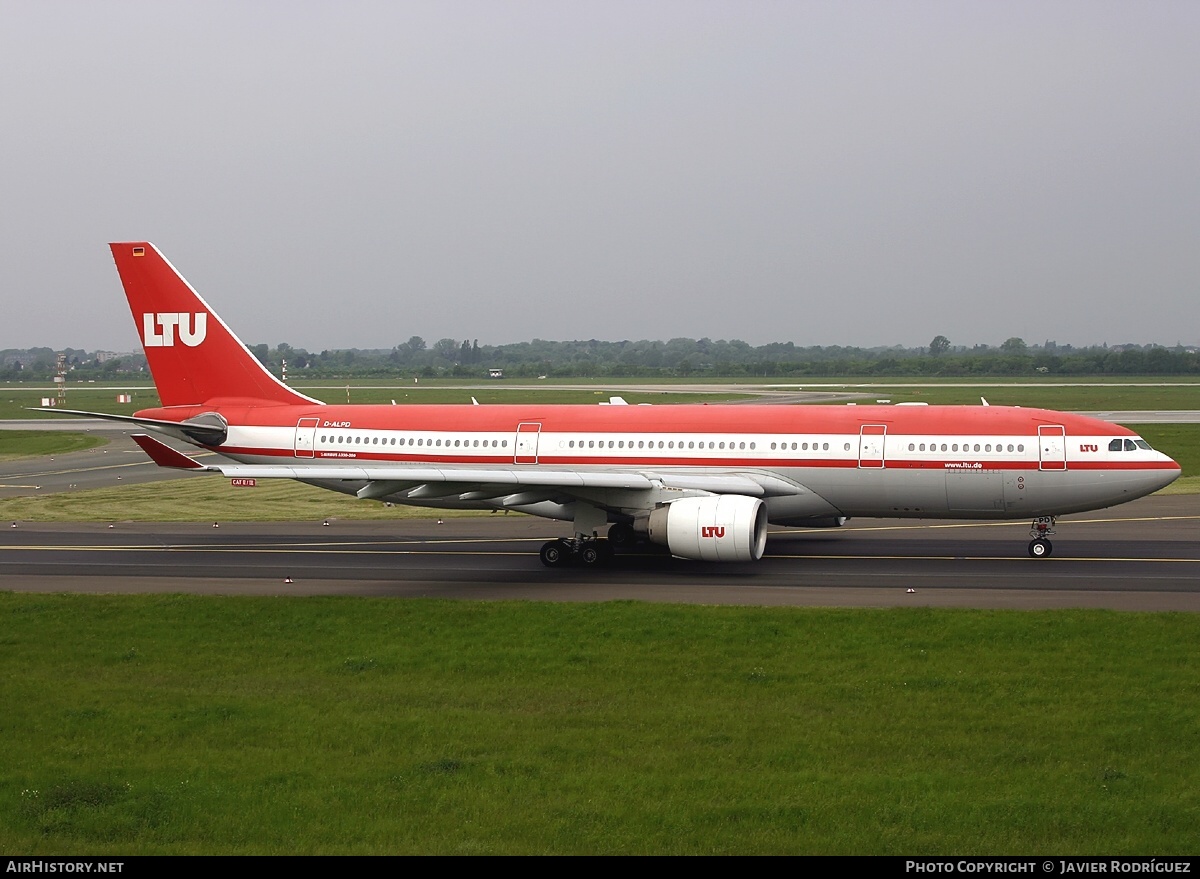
pixel 1129 445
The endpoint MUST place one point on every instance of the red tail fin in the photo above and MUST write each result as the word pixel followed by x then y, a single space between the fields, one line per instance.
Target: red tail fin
pixel 193 356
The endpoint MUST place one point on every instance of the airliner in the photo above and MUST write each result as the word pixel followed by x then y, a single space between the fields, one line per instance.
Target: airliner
pixel 704 481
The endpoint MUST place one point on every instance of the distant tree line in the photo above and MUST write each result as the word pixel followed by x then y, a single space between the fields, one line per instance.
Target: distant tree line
pixel 650 359
pixel 733 358
pixel 40 364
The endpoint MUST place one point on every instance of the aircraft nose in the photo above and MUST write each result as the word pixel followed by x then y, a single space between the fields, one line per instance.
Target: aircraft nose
pixel 1161 478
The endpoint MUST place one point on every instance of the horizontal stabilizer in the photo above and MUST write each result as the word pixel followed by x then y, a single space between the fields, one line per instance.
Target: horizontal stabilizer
pixel 165 456
pixel 209 428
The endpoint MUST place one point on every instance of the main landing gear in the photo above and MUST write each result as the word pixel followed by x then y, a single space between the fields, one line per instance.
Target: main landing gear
pixel 589 552
pixel 1042 527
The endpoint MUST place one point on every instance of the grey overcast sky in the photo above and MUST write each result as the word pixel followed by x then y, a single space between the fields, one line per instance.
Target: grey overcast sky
pixel 351 174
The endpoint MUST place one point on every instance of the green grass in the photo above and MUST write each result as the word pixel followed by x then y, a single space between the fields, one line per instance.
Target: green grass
pixel 1174 392
pixel 25 443
pixel 193 725
pixel 407 395
pixel 1085 399
pixel 202 498
pixel 1180 441
pixel 16 400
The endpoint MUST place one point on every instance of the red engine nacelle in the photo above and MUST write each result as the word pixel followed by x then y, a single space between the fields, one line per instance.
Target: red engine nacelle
pixel 721 528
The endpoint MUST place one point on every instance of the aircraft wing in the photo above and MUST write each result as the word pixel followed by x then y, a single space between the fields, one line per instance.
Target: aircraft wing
pixel 384 481
pixel 421 481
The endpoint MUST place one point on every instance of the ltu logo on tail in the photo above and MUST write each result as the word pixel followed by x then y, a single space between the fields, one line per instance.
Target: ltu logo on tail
pixel 158 330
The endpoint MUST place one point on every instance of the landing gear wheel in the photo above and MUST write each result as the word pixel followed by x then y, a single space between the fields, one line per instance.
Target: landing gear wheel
pixel 1040 548
pixel 590 556
pixel 554 554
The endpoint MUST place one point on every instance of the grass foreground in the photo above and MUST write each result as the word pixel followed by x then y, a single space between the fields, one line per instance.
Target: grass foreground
pixel 203 498
pixel 26 443
pixel 199 725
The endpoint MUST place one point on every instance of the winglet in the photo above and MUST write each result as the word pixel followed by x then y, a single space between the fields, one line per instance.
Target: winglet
pixel 165 456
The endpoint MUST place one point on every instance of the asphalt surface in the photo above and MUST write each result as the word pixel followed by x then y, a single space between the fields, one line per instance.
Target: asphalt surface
pixel 118 462
pixel 1140 556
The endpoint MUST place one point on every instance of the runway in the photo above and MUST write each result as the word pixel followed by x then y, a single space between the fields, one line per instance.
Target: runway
pixel 1140 556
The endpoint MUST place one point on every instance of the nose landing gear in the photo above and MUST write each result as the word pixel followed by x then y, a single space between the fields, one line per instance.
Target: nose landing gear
pixel 1042 527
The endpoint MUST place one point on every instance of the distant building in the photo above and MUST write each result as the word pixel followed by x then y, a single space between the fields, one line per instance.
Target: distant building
pixel 495 373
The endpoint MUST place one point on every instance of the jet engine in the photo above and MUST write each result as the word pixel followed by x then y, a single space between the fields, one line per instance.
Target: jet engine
pixel 717 528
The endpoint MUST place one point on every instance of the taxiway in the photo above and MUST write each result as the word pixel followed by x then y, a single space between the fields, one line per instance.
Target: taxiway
pixel 1140 556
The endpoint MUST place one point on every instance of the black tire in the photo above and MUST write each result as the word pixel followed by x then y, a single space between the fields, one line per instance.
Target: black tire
pixel 1040 548
pixel 590 556
pixel 553 554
